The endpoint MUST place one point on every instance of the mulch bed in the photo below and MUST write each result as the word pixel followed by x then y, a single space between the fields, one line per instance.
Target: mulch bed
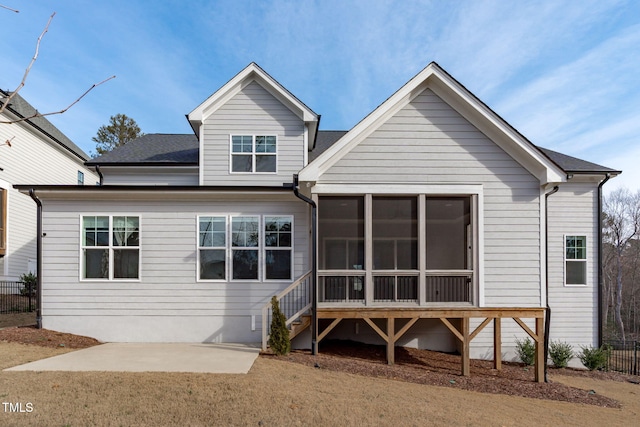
pixel 45 338
pixel 441 369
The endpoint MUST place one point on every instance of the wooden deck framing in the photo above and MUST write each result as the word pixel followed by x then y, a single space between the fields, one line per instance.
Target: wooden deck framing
pixel 463 334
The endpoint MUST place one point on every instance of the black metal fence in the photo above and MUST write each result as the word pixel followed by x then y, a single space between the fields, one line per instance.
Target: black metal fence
pixel 623 356
pixel 16 297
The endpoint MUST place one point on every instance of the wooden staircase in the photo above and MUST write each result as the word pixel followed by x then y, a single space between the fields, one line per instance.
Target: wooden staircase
pixel 299 326
pixel 295 303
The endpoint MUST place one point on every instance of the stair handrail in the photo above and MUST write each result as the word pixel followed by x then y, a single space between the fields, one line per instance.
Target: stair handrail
pixel 267 307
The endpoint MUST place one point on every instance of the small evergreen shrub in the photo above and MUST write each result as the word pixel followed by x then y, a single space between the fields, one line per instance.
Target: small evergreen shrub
pixel 30 283
pixel 279 337
pixel 594 358
pixel 526 351
pixel 560 354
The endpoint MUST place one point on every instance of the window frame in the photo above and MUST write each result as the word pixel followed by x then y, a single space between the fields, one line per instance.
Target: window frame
pixel 261 249
pixel 257 249
pixel 584 260
pixel 80 178
pixel 225 247
pixel 253 154
pixel 111 248
pixel 266 248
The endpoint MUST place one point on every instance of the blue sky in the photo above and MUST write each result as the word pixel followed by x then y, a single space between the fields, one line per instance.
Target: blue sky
pixel 564 73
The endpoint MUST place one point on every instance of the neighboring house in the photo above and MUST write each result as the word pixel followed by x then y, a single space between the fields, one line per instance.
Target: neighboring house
pixel 435 219
pixel 35 151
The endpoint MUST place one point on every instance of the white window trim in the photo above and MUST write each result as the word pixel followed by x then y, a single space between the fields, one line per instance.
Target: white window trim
pixel 565 260
pixel 262 248
pixel 227 239
pixel 253 154
pixel 110 247
pixel 265 249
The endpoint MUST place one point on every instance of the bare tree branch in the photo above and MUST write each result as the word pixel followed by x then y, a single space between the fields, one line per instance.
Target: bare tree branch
pixel 37 114
pixel 8 8
pixel 26 72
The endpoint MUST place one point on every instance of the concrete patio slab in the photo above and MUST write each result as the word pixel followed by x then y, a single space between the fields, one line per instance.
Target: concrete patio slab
pixel 152 357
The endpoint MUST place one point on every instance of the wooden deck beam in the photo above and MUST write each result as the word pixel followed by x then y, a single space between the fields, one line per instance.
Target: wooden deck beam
pixel 463 334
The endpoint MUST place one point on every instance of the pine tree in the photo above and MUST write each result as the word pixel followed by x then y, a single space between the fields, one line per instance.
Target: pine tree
pixel 120 130
pixel 279 338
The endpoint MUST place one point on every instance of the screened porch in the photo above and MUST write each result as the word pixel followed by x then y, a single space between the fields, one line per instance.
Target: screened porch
pixel 409 250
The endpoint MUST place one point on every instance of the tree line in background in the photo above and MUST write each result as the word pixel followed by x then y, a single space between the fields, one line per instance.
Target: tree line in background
pixel 621 266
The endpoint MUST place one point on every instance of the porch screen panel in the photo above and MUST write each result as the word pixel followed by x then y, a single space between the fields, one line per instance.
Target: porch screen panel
pixel 341 233
pixel 395 233
pixel 447 227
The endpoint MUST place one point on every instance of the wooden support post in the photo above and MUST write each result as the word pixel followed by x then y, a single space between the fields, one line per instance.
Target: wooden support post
pixel 497 343
pixel 466 366
pixel 540 350
pixel 391 340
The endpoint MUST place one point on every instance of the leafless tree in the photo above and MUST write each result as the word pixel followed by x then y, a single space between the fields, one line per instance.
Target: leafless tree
pixel 7 100
pixel 621 231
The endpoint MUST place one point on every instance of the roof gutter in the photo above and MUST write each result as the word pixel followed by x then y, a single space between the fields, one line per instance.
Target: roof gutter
pixel 607 177
pixel 314 264
pixel 35 198
pixel 547 320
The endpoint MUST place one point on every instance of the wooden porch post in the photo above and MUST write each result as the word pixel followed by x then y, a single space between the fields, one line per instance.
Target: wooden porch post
pixel 466 366
pixel 497 343
pixel 540 350
pixel 391 340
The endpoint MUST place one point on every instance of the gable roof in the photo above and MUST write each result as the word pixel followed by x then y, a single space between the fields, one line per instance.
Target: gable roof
pixel 155 149
pixel 465 103
pixel 249 74
pixel 21 108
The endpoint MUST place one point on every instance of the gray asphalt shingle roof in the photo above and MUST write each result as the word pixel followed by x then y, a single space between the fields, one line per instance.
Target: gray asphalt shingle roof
pixel 183 149
pixel 154 149
pixel 21 108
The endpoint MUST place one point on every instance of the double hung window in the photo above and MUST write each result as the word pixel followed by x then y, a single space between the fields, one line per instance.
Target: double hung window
pixel 248 247
pixel 575 260
pixel 253 153
pixel 277 242
pixel 212 243
pixel 245 237
pixel 110 247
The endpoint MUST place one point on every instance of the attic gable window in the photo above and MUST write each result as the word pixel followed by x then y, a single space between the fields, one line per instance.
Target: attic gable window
pixel 253 153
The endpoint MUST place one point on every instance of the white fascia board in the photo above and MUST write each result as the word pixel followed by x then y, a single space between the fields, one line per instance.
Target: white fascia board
pixel 249 74
pixel 459 98
pixel 395 189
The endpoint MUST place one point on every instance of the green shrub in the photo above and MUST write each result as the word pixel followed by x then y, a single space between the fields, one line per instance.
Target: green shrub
pixel 279 337
pixel 30 283
pixel 594 358
pixel 526 350
pixel 560 353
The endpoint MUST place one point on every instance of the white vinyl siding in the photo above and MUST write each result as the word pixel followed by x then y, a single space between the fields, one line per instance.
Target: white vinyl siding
pixel 48 164
pixel 168 303
pixel 573 211
pixel 252 111
pixel 428 142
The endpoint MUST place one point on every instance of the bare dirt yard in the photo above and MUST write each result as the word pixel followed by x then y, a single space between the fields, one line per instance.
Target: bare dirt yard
pixel 343 385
